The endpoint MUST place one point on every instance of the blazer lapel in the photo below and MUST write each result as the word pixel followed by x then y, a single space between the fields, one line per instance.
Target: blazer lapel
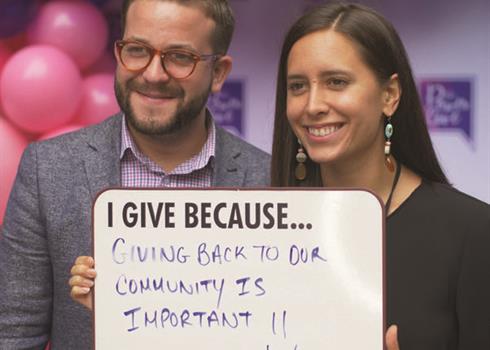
pixel 102 163
pixel 228 171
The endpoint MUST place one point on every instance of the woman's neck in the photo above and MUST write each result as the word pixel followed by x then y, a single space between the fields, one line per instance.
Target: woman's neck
pixel 375 176
pixel 371 174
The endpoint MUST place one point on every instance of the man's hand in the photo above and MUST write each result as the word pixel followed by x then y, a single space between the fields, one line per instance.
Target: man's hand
pixel 82 280
pixel 392 338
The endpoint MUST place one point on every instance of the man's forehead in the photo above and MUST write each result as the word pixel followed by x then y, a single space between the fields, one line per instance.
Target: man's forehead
pixel 199 5
pixel 168 19
pixel 164 11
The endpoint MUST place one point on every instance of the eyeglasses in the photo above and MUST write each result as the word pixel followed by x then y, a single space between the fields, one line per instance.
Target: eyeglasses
pixel 179 64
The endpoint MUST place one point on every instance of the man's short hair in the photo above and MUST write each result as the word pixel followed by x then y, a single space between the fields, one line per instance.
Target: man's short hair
pixel 218 10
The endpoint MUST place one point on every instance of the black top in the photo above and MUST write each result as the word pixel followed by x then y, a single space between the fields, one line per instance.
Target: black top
pixel 438 270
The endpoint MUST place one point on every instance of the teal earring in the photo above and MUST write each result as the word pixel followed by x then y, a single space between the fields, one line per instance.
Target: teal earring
pixel 388 134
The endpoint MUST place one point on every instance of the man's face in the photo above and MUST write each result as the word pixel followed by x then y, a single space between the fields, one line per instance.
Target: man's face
pixel 154 102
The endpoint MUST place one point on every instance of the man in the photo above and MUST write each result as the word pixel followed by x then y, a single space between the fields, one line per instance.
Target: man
pixel 173 54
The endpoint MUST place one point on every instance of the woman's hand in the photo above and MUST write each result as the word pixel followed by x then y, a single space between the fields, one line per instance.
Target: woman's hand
pixel 392 338
pixel 82 280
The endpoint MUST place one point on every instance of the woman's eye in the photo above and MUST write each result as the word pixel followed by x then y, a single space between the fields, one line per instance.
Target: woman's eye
pixel 296 87
pixel 337 83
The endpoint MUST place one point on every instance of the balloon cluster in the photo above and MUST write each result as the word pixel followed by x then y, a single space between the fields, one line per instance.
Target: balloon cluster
pixel 56 72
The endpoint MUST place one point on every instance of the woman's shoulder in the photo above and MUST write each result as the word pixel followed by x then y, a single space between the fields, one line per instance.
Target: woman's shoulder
pixel 448 196
pixel 444 213
pixel 450 207
pixel 421 197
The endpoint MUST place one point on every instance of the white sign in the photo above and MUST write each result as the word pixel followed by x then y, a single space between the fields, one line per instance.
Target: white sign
pixel 238 269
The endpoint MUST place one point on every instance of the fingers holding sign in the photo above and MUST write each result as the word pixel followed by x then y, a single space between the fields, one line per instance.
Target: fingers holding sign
pixel 82 280
pixel 392 338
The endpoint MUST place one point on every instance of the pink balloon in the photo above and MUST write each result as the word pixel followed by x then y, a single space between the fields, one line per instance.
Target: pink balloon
pixel 12 144
pixel 40 88
pixel 98 100
pixel 63 130
pixel 78 28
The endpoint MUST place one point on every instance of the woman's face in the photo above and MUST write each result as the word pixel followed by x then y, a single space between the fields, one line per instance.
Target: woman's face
pixel 335 104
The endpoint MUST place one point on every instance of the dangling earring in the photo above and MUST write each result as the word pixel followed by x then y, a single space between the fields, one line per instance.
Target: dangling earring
pixel 300 171
pixel 388 133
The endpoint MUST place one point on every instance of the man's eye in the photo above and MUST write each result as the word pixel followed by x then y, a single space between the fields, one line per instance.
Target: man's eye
pixel 135 50
pixel 180 58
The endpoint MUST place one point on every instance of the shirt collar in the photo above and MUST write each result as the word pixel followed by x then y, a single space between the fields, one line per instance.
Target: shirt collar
pixel 202 159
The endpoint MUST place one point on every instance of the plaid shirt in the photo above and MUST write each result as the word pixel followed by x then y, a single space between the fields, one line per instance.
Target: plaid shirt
pixel 137 170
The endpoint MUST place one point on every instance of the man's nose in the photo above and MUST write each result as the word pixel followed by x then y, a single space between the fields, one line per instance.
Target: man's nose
pixel 155 71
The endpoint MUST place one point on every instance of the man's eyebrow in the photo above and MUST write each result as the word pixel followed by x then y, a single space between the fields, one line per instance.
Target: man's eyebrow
pixel 135 38
pixel 177 46
pixel 186 47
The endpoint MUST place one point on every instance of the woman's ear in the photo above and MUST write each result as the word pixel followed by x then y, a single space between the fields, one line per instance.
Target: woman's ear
pixel 391 95
pixel 222 68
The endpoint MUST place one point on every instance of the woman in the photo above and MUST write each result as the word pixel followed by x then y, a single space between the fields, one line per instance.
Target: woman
pixel 348 115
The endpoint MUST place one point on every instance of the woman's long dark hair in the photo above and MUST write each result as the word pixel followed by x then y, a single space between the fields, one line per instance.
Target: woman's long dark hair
pixel 382 50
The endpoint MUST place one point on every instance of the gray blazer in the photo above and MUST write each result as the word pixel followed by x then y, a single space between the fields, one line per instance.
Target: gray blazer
pixel 48 224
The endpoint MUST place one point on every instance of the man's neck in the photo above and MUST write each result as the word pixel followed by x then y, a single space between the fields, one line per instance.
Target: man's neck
pixel 169 151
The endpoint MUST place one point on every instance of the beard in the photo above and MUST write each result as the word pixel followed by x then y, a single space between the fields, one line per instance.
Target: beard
pixel 184 115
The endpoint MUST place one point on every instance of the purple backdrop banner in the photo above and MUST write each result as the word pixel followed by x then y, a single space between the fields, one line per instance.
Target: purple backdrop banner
pixel 227 106
pixel 448 104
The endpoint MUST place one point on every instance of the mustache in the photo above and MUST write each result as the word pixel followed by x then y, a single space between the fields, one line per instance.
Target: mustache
pixel 158 88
